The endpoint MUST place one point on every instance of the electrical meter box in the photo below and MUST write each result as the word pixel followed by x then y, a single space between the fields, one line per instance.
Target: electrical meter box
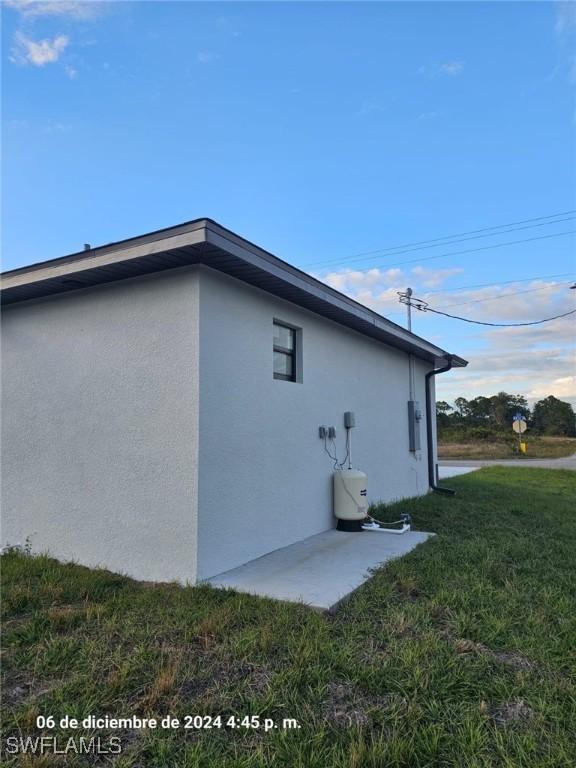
pixel 414 421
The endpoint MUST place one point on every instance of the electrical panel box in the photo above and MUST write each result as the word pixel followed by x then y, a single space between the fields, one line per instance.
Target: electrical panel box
pixel 414 420
pixel 349 419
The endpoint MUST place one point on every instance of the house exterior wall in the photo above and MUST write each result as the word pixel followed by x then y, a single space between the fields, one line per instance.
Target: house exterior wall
pixel 100 425
pixel 265 480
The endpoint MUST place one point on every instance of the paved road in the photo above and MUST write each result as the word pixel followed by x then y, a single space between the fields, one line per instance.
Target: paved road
pixel 568 462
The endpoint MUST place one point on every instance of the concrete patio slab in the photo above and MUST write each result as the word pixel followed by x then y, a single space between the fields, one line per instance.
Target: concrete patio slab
pixel 319 571
pixel 448 471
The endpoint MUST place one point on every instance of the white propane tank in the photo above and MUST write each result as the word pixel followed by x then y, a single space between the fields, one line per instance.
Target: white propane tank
pixel 350 501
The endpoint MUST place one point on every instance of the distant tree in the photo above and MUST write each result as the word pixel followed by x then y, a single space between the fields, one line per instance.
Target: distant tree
pixel 520 404
pixel 480 410
pixel 443 413
pixel 494 413
pixel 505 406
pixel 554 417
pixel 462 407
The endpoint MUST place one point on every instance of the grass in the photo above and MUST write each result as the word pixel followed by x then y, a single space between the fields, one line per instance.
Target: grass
pixel 459 654
pixel 538 448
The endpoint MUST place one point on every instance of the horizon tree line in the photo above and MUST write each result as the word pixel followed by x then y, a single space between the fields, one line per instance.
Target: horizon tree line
pixel 549 416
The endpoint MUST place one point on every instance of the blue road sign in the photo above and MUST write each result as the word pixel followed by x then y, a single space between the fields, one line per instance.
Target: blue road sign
pixel 518 417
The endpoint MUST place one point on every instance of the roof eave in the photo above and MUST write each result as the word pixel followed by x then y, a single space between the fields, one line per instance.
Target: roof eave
pixel 207 242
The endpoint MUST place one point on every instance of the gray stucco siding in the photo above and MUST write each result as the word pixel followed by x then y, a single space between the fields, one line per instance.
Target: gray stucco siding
pixel 99 425
pixel 143 429
pixel 265 480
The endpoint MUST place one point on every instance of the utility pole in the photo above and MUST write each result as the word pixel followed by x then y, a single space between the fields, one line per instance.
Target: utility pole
pixel 414 414
pixel 408 295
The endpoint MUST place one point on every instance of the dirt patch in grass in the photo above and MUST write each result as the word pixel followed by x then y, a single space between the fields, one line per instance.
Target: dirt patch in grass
pixel 194 688
pixel 511 659
pixel 508 713
pixel 19 690
pixel 219 675
pixel 345 705
pixel 374 652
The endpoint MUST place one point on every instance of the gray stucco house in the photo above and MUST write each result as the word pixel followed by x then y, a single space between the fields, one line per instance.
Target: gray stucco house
pixel 162 396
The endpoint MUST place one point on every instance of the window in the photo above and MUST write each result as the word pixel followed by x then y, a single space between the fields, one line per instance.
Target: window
pixel 285 339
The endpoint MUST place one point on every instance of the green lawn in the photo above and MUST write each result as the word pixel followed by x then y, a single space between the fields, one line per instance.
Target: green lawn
pixel 460 654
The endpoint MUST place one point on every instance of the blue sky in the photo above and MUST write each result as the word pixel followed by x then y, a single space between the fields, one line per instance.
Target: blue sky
pixel 319 131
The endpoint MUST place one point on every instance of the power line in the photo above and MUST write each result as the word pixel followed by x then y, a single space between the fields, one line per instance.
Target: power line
pixel 476 250
pixel 452 242
pixel 407 297
pixel 435 242
pixel 499 282
pixel 503 295
pixel 450 237
pixel 497 325
pixel 489 285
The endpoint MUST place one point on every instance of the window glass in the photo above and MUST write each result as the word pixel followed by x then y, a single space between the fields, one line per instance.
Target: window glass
pixel 283 365
pixel 283 337
pixel 285 340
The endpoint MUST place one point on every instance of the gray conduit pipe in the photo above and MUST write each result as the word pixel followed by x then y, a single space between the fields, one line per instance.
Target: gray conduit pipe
pixel 429 432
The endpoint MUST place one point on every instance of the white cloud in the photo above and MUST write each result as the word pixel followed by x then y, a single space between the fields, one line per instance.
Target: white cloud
pixel 459 384
pixel 229 25
pixel 565 27
pixel 536 361
pixel 559 331
pixel 534 374
pixel 564 387
pixel 56 126
pixel 370 287
pixel 532 360
pixel 378 288
pixel 450 68
pixel 82 9
pixel 370 107
pixel 493 304
pixel 432 278
pixel 38 53
pixel 565 16
pixel 508 303
pixel 207 57
pixel 393 274
pixel 369 277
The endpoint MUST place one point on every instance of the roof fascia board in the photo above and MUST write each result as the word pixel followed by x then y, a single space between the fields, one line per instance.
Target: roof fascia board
pixel 279 269
pixel 259 258
pixel 116 246
pixel 200 231
pixel 129 253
